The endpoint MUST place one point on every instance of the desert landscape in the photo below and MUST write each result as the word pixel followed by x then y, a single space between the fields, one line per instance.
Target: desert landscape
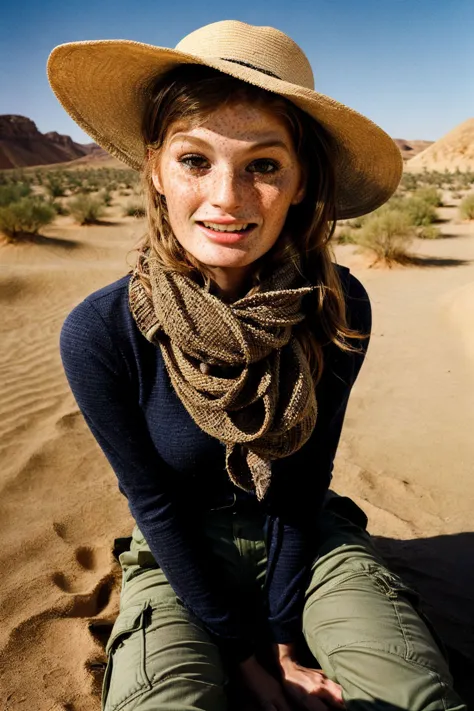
pixel 406 455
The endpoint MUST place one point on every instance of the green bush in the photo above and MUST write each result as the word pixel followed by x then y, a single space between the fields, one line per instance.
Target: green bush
pixel 430 195
pixel 387 234
pixel 25 217
pixel 12 192
pixel 428 232
pixel 466 208
pixel 409 181
pixel 356 222
pixel 106 196
pixel 440 179
pixel 134 209
pixel 419 211
pixel 85 209
pixel 59 208
pixel 54 187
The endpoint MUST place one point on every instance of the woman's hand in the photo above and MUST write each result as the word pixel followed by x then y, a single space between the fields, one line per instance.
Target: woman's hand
pixel 263 686
pixel 309 687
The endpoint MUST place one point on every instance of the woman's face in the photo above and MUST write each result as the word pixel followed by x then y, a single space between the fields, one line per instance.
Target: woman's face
pixel 237 170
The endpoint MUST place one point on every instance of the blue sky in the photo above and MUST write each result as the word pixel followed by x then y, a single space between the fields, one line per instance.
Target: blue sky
pixel 406 64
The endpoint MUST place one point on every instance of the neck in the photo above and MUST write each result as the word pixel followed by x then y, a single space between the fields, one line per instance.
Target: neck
pixel 231 284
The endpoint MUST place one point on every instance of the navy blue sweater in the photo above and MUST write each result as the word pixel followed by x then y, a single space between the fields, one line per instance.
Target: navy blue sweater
pixel 169 469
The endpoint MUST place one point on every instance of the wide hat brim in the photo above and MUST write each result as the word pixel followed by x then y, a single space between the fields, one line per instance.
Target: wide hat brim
pixel 104 85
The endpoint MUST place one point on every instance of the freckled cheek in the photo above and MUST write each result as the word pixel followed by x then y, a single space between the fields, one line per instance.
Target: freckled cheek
pixel 183 197
pixel 274 202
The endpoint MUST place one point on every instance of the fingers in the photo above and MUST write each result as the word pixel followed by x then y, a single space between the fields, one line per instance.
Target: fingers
pixel 324 691
pixel 332 692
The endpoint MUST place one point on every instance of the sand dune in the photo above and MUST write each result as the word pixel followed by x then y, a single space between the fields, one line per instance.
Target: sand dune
pixel 406 454
pixel 453 151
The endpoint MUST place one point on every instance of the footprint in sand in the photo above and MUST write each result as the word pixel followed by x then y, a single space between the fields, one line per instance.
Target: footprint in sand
pixel 60 530
pixel 88 601
pixel 89 558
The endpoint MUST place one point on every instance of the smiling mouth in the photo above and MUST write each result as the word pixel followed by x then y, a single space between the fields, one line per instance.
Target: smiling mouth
pixel 228 229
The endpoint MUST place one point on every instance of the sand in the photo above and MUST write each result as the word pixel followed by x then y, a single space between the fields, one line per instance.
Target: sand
pixel 406 454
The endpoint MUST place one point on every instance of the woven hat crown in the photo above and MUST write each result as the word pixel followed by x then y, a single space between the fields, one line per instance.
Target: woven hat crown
pixel 264 48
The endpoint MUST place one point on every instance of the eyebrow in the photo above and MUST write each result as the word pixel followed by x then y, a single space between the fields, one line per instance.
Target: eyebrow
pixel 267 143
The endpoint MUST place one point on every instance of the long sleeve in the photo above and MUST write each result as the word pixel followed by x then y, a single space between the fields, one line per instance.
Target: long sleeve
pixel 98 377
pixel 300 482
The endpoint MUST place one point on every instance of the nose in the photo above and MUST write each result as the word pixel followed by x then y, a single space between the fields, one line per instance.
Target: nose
pixel 227 189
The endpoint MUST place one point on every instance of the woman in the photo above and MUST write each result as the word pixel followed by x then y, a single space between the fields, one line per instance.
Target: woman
pixel 215 377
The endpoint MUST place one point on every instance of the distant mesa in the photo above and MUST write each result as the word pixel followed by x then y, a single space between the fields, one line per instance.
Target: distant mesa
pixel 409 149
pixel 454 151
pixel 22 145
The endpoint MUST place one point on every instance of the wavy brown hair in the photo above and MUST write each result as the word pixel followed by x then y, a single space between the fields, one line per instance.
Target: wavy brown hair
pixel 192 92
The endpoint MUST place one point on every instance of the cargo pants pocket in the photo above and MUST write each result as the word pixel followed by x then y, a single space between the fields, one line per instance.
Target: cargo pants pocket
pixel 126 658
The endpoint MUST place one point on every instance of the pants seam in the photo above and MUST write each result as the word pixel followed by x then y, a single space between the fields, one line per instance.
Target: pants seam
pixel 180 676
pixel 405 638
pixel 412 661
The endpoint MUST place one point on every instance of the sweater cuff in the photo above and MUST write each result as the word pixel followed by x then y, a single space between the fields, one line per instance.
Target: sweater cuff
pixel 286 632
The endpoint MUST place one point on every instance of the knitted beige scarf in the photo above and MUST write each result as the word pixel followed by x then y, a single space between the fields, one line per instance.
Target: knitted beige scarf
pixel 237 368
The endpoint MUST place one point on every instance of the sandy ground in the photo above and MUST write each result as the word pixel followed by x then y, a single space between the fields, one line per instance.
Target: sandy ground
pixel 406 454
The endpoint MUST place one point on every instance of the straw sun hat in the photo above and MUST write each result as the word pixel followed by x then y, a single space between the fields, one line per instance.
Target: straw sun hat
pixel 104 86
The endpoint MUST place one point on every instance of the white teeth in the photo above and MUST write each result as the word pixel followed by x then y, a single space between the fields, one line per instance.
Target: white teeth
pixel 236 227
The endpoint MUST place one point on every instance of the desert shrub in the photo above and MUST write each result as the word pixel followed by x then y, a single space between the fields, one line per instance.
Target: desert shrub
pixel 84 189
pixel 356 222
pixel 465 179
pixel 106 196
pixel 428 232
pixel 346 236
pixel 25 217
pixel 59 208
pixel 430 195
pixel 12 192
pixel 419 211
pixel 54 187
pixel 466 207
pixel 396 202
pixel 409 181
pixel 441 179
pixel 387 233
pixel 86 209
pixel 134 209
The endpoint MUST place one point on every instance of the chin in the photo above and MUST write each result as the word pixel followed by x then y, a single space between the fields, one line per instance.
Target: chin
pixel 232 261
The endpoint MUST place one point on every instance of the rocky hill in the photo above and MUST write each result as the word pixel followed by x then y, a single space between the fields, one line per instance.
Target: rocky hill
pixel 22 145
pixel 453 151
pixel 409 149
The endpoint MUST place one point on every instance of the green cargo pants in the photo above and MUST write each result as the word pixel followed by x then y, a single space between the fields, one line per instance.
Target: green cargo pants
pixel 359 622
